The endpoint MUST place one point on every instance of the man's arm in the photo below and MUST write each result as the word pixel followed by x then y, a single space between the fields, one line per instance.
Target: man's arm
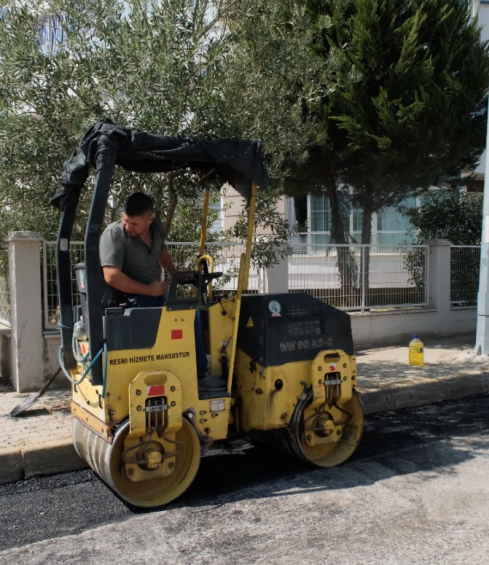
pixel 167 262
pixel 120 281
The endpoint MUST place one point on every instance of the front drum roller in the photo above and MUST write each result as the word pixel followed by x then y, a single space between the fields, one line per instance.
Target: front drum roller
pixel 321 455
pixel 106 460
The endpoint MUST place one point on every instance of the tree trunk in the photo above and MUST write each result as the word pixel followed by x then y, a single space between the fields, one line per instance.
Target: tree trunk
pixel 365 257
pixel 345 259
pixel 337 228
pixel 172 205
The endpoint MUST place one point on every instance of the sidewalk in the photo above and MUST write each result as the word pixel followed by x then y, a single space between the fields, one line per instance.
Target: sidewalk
pixel 40 441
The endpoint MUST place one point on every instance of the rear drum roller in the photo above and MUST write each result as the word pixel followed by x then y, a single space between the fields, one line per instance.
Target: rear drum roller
pixel 331 454
pixel 322 455
pixel 106 460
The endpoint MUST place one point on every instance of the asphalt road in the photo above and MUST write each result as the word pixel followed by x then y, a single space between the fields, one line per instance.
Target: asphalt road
pixel 416 491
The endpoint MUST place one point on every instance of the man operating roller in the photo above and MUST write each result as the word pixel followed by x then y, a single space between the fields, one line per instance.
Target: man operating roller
pixel 132 253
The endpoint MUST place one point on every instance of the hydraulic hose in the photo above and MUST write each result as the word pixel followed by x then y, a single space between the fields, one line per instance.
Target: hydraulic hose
pixel 87 370
pixel 104 381
pixel 76 351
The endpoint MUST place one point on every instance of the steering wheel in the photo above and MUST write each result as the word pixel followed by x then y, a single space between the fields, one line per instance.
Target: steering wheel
pixel 206 278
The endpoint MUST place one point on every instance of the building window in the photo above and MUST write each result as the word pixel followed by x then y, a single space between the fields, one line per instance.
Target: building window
pixel 216 204
pixel 392 225
pixel 320 214
pixel 320 219
pixel 357 217
pixel 389 226
pixel 52 32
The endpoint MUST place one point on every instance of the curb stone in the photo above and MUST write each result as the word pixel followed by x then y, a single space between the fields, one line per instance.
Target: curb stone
pixel 52 458
pixel 11 465
pixel 426 392
pixel 46 459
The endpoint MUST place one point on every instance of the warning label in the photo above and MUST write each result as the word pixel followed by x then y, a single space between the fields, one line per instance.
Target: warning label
pixel 250 323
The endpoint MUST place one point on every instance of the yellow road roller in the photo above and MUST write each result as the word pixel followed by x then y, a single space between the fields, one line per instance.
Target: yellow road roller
pixel 140 420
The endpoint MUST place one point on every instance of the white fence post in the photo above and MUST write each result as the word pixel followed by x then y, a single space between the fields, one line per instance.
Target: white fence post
pixel 278 277
pixel 439 275
pixel 26 310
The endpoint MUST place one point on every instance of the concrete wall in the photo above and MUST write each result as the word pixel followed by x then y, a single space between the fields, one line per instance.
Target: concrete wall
pixel 24 250
pixel 380 329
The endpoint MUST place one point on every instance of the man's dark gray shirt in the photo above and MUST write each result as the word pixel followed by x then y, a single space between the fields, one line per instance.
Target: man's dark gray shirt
pixel 130 254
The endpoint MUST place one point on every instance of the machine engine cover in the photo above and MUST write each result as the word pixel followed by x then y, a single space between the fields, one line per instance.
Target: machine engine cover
pixel 282 328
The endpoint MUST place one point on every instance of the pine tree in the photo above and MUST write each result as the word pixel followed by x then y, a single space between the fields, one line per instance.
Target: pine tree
pixel 406 103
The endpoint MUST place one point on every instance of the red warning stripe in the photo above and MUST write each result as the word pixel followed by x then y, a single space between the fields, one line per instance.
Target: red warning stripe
pixel 177 334
pixel 156 390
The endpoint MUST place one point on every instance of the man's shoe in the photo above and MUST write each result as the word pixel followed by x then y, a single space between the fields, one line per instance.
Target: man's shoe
pixel 210 383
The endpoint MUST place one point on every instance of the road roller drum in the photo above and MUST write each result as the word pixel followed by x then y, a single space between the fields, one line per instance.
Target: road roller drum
pixel 106 460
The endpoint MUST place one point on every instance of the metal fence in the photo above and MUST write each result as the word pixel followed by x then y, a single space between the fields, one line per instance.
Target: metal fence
pixel 361 277
pixel 351 277
pixel 464 274
pixel 50 285
pixel 226 260
pixel 4 301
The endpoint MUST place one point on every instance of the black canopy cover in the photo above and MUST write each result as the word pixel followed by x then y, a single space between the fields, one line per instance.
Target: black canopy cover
pixel 236 161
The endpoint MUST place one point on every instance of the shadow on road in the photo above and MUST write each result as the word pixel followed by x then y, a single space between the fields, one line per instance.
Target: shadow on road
pixel 406 441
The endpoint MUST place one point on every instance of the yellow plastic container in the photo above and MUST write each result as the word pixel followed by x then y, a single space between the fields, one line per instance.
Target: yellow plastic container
pixel 416 351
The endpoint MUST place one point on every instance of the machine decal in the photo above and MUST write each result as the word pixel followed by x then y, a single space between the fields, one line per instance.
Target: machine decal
pixel 306 344
pixel 275 308
pixel 250 323
pixel 332 367
pixel 155 390
pixel 217 405
pixel 177 334
pixel 148 358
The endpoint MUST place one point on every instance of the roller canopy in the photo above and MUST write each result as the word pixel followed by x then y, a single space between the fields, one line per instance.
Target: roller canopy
pixel 236 161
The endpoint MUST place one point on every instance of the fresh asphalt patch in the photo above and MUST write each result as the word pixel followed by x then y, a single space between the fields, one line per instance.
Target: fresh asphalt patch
pixel 69 503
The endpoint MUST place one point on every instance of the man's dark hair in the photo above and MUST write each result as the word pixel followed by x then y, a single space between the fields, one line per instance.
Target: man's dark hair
pixel 138 204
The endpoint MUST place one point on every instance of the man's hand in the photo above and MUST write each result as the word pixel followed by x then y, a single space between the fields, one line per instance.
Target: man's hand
pixel 157 288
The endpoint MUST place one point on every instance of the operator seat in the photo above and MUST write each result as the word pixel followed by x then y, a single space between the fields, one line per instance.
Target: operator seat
pixel 111 297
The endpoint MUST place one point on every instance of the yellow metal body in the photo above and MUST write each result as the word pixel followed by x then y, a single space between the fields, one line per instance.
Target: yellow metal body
pixel 269 395
pixel 264 398
pixel 159 454
pixel 200 262
pixel 169 358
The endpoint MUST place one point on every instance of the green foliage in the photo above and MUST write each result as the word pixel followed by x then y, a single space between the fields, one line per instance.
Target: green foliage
pixel 404 105
pixel 140 64
pixel 271 244
pixel 447 214
pixel 188 219
pixel 156 65
pixel 456 216
pixel 271 79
